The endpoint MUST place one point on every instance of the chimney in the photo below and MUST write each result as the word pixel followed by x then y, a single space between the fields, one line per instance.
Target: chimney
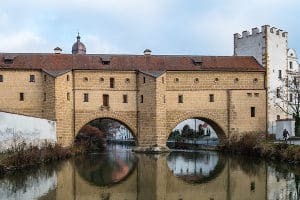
pixel 147 52
pixel 57 50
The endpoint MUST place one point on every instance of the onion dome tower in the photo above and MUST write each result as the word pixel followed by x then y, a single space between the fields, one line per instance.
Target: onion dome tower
pixel 78 47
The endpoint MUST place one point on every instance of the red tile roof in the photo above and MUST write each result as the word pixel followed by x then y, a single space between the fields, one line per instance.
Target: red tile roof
pixel 61 62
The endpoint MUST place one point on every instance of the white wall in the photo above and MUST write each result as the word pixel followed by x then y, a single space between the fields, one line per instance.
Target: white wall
pixel 30 129
pixel 271 44
pixel 289 125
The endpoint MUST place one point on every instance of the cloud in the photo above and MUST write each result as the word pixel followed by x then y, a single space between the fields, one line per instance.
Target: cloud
pixel 96 44
pixel 129 26
pixel 217 25
pixel 22 41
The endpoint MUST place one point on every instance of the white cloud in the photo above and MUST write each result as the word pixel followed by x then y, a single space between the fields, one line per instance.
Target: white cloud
pixel 217 26
pixel 115 26
pixel 22 41
pixel 95 44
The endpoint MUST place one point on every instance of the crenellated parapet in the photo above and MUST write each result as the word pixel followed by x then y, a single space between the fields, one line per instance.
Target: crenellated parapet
pixel 264 29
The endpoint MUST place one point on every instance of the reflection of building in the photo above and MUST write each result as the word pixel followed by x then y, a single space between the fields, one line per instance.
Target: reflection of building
pixel 152 178
pixel 283 185
pixel 199 166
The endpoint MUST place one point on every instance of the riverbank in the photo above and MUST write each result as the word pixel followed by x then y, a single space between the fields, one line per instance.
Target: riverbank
pixel 23 156
pixel 254 145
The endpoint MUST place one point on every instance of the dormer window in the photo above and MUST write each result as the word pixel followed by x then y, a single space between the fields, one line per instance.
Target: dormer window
pixel 105 60
pixel 197 61
pixel 9 59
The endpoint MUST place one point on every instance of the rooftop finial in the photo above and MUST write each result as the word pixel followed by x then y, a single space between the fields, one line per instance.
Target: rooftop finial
pixel 78 36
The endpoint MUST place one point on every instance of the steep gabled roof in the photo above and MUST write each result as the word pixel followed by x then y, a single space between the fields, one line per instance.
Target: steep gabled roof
pixel 61 62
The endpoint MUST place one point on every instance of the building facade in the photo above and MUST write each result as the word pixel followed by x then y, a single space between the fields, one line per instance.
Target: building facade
pixel 150 94
pixel 270 48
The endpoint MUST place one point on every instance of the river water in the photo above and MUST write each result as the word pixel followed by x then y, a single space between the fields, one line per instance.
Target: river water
pixel 120 174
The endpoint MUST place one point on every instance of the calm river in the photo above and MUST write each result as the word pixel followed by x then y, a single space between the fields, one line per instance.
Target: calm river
pixel 121 174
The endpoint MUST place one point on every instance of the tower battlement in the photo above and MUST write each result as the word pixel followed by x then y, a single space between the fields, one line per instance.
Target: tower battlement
pixel 264 29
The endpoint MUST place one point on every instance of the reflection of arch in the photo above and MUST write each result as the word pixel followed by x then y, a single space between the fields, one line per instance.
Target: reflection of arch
pixel 198 178
pixel 218 127
pixel 114 116
pixel 102 170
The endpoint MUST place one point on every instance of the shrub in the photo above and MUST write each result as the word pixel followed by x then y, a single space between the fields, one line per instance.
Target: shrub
pixel 22 155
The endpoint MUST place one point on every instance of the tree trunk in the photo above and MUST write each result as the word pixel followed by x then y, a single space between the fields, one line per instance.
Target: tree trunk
pixel 297 125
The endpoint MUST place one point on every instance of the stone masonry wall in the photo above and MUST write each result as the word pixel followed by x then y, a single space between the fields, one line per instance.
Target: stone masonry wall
pixel 96 84
pixel 64 109
pixel 151 121
pixel 49 97
pixel 146 110
pixel 161 110
pixel 16 82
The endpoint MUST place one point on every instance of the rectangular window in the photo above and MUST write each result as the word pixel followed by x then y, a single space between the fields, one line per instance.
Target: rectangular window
pixel 279 74
pixel 45 78
pixel 105 100
pixel 31 78
pixel 85 97
pixel 1 78
pixel 291 65
pixel 68 96
pixel 112 82
pixel 252 111
pixel 252 186
pixel 45 96
pixel 68 77
pixel 125 99
pixel 291 97
pixel 142 98
pixel 144 79
pixel 211 98
pixel 180 98
pixel 21 96
pixel 162 80
pixel 278 92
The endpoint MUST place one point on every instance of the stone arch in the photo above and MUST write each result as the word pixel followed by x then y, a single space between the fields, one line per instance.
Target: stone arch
pixel 219 125
pixel 83 120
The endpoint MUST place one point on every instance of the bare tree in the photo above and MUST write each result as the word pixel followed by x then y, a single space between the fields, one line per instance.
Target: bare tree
pixel 287 98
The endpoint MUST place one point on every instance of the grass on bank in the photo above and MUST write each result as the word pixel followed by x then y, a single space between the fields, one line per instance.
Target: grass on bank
pixel 255 145
pixel 23 155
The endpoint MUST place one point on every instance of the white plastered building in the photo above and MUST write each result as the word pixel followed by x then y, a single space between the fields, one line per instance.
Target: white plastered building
pixel 269 45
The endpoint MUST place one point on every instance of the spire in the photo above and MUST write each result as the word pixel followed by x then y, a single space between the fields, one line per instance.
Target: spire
pixel 78 47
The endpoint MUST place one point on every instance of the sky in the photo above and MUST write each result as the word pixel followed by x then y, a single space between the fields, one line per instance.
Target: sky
pixel 181 27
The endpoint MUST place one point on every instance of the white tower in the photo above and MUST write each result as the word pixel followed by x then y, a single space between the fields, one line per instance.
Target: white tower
pixel 269 46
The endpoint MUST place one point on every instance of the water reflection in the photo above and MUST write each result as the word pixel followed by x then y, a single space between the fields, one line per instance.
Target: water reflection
pixel 195 167
pixel 103 169
pixel 29 184
pixel 119 174
pixel 282 183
